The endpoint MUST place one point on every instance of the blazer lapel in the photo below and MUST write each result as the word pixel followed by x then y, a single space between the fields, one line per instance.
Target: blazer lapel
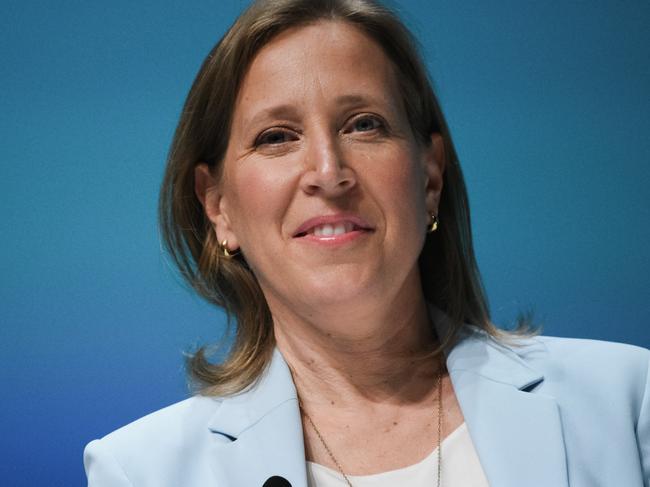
pixel 259 432
pixel 517 433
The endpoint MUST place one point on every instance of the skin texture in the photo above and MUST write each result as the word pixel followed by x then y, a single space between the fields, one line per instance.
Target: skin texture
pixel 319 130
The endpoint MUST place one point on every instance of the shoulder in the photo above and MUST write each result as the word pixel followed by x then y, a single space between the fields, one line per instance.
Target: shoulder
pixel 542 352
pixel 596 358
pixel 583 371
pixel 176 421
pixel 586 347
pixel 154 443
pixel 573 370
pixel 602 391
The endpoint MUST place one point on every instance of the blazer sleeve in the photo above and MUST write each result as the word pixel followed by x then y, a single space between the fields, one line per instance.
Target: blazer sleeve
pixel 102 468
pixel 643 430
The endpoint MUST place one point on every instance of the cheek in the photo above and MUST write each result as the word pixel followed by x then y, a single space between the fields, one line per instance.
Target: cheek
pixel 260 197
pixel 401 183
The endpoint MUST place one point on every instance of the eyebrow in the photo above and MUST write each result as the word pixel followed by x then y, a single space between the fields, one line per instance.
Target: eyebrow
pixel 288 111
pixel 273 112
pixel 355 100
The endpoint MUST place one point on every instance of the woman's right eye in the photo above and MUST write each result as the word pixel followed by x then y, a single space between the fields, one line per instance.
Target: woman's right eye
pixel 275 137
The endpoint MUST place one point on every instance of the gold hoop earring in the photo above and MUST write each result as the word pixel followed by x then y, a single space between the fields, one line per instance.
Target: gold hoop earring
pixel 223 246
pixel 433 226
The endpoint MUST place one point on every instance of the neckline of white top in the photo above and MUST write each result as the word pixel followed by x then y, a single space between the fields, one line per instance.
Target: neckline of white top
pixel 390 473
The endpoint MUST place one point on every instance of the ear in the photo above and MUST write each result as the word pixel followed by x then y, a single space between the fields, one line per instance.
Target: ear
pixel 434 168
pixel 208 192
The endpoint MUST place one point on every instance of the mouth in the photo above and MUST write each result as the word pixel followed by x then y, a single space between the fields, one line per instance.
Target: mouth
pixel 332 227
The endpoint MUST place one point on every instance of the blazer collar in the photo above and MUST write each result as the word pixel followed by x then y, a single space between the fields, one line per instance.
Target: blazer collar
pixel 516 431
pixel 479 353
pixel 239 412
pixel 261 432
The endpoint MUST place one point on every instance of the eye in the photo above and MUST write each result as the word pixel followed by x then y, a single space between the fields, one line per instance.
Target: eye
pixel 365 123
pixel 275 137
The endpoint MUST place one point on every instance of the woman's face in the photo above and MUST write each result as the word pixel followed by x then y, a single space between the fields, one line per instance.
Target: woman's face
pixel 324 188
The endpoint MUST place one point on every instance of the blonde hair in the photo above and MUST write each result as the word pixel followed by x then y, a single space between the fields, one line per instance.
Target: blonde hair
pixel 450 276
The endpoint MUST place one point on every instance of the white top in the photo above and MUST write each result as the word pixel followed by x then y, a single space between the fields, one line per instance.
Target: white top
pixel 460 467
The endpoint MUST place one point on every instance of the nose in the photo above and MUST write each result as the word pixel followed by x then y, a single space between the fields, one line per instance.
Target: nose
pixel 326 172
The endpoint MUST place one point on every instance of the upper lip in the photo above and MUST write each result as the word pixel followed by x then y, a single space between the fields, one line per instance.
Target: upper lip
pixel 316 221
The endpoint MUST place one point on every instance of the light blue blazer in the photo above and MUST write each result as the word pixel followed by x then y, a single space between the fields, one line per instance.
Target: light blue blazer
pixel 554 412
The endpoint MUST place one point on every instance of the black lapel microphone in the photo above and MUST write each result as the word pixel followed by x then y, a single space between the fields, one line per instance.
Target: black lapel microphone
pixel 276 481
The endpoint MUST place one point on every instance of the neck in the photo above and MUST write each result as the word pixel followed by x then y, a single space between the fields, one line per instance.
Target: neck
pixel 376 363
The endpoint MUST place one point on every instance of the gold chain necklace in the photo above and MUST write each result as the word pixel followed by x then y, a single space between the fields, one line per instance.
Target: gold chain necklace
pixel 439 439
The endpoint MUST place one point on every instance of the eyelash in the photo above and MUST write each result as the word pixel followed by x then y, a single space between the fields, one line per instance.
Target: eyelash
pixel 263 138
pixel 378 123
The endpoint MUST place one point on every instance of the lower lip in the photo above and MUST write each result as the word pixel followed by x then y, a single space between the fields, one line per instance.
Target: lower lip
pixel 333 240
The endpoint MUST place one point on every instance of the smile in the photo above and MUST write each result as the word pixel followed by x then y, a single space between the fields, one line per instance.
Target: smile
pixel 333 228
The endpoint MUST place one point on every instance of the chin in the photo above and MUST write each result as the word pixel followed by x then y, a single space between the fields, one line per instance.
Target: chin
pixel 340 285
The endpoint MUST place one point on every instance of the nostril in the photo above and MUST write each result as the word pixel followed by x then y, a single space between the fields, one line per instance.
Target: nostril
pixel 332 179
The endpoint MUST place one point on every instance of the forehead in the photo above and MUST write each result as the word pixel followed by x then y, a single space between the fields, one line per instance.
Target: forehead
pixel 327 58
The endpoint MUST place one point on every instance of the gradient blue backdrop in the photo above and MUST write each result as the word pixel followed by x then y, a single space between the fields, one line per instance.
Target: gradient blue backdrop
pixel 549 106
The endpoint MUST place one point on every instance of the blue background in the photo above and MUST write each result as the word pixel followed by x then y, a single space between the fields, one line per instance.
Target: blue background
pixel 549 106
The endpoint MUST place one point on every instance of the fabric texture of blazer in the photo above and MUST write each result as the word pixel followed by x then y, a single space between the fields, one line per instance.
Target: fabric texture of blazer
pixel 553 412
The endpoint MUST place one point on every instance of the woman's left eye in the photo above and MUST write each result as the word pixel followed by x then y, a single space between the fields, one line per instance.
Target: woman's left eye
pixel 365 124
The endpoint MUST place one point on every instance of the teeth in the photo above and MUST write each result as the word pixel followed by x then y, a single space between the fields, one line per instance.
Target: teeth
pixel 324 231
pixel 331 230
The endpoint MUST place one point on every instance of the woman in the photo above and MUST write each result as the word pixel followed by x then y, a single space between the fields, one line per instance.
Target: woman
pixel 313 191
